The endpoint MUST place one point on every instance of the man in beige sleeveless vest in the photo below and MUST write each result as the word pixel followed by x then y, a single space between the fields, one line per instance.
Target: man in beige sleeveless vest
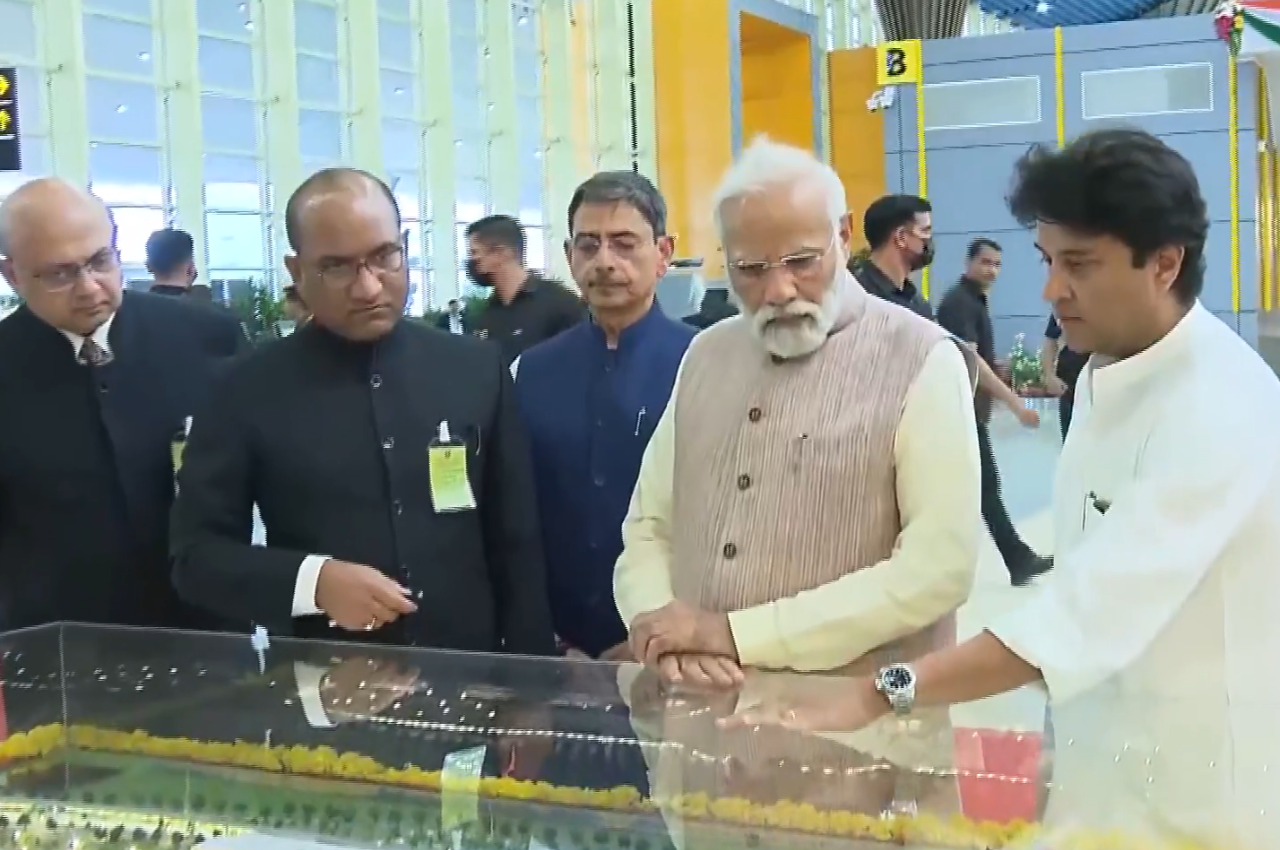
pixel 810 498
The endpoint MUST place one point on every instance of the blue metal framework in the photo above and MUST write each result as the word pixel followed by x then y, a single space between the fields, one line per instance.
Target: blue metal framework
pixel 1042 14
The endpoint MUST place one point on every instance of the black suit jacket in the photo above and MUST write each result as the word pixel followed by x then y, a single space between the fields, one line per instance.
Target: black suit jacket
pixel 86 475
pixel 330 439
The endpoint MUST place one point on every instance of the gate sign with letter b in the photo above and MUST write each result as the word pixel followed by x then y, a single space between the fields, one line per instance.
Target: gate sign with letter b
pixel 898 63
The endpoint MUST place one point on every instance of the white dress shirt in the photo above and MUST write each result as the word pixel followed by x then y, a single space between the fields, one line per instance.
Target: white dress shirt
pixel 1158 632
pixel 99 336
pixel 928 575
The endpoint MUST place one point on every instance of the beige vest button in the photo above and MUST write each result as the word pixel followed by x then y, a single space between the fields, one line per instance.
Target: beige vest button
pixel 744 481
pixel 730 551
pixel 754 414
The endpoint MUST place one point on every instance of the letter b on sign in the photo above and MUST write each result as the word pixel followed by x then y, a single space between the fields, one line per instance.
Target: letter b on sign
pixel 898 63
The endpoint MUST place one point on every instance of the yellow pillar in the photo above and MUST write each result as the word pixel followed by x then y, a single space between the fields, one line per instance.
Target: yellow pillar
pixel 612 95
pixel 582 95
pixel 499 83
pixel 692 91
pixel 561 108
pixel 63 35
pixel 280 87
pixel 646 154
pixel 180 77
pixel 364 92
pixel 435 69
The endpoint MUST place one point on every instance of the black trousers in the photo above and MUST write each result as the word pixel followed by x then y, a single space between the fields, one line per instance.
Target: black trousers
pixel 1066 405
pixel 1015 553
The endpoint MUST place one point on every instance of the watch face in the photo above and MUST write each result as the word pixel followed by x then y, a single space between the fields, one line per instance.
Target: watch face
pixel 896 678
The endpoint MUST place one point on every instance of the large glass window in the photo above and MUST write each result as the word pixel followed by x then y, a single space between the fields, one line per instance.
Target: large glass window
pixel 968 104
pixel 224 17
pixel 528 68
pixel 322 120
pixel 126 117
pixel 127 174
pixel 402 143
pixel 236 213
pixel 470 116
pixel 1151 90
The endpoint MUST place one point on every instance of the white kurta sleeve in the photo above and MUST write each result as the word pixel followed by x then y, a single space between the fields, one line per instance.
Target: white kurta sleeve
pixel 931 570
pixel 642 574
pixel 1111 596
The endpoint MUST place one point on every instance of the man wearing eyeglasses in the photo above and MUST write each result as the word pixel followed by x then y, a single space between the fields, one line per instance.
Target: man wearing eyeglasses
pixel 809 498
pixel 386 457
pixel 95 385
pixel 592 396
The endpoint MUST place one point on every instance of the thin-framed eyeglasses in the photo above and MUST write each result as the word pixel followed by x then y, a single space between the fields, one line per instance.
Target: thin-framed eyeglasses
pixel 799 264
pixel 67 275
pixel 342 273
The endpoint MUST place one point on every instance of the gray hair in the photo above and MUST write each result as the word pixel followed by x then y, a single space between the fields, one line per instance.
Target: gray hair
pixel 623 187
pixel 766 164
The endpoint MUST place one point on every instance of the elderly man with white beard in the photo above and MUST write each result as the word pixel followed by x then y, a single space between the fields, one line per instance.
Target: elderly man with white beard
pixel 810 498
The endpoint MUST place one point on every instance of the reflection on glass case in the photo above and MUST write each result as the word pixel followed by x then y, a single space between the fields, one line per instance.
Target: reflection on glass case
pixel 125 738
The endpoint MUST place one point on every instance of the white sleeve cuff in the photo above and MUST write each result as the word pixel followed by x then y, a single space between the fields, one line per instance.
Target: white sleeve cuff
pixel 309 678
pixel 304 590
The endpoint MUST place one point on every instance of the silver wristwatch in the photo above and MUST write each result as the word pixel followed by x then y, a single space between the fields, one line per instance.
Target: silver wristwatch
pixel 897 683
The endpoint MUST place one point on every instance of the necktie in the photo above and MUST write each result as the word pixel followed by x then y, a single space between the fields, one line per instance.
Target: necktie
pixel 92 354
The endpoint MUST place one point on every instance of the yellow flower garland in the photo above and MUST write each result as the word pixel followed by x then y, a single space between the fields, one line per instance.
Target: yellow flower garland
pixel 325 762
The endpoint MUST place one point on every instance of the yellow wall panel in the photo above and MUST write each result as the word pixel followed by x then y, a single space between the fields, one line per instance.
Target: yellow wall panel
pixel 1266 211
pixel 581 61
pixel 857 134
pixel 777 83
pixel 692 98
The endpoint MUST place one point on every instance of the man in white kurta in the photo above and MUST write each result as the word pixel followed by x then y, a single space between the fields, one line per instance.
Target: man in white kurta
pixel 1159 644
pixel 1158 635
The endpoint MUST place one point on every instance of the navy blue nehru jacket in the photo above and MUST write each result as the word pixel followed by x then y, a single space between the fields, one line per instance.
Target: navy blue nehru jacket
pixel 589 411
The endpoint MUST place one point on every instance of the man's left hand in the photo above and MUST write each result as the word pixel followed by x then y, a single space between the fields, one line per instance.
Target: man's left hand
pixel 678 627
pixel 701 671
pixel 849 707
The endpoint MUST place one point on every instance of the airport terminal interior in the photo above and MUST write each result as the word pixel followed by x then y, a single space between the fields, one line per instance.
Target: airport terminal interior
pixel 204 115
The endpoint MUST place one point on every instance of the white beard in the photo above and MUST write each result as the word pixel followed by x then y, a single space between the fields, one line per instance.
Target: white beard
pixel 809 326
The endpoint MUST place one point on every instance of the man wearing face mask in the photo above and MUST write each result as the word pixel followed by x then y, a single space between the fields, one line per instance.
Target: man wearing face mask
pixel 525 308
pixel 899 232
pixel 592 396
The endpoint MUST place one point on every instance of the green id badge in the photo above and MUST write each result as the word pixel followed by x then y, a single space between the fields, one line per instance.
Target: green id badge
pixel 447 467
pixel 460 788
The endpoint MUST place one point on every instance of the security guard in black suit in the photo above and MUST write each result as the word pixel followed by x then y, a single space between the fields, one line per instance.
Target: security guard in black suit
pixel 95 386
pixel 386 458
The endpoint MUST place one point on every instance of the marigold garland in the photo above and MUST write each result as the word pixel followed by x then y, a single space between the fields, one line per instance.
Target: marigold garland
pixel 325 762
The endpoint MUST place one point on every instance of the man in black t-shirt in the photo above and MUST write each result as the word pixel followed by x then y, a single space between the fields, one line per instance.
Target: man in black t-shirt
pixel 1062 368
pixel 524 308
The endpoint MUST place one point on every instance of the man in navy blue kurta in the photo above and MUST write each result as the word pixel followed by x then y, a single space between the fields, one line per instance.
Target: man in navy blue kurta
pixel 592 396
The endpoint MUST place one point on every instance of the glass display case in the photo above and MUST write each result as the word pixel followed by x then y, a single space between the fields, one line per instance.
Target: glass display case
pixel 129 738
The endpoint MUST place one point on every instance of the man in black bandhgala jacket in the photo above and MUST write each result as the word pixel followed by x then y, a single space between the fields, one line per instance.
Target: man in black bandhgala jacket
pixel 337 434
pixel 95 388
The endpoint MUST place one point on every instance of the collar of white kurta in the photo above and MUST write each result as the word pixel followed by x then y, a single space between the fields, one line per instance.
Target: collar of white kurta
pixel 1114 379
